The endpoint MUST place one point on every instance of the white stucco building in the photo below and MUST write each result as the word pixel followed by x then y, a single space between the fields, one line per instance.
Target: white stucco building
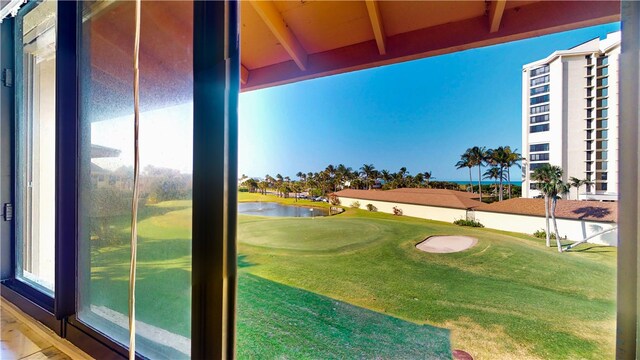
pixel 570 117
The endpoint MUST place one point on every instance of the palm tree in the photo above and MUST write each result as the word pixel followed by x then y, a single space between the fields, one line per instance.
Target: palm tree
pixel 492 173
pixel 369 172
pixel 401 176
pixel 478 157
pixel 498 157
pixel 559 188
pixel 546 176
pixel 465 161
pixel 576 183
pixel 512 158
pixel 386 176
pixel 427 177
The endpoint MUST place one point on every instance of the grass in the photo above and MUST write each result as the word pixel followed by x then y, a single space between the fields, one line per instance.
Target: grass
pixel 276 321
pixel 310 288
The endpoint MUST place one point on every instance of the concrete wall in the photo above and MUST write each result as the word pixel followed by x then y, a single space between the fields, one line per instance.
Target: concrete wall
pixel 419 211
pixel 573 229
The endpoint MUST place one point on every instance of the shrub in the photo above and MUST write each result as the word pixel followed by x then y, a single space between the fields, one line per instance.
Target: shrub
pixel 334 199
pixel 541 234
pixel 370 207
pixel 355 205
pixel 397 211
pixel 465 222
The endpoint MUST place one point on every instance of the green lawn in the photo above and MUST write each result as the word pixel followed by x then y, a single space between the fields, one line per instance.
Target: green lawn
pixel 353 285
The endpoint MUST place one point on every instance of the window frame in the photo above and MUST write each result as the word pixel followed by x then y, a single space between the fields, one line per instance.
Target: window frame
pixel 215 117
pixel 627 306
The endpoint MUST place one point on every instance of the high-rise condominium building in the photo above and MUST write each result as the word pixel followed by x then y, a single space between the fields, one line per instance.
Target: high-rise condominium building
pixel 570 117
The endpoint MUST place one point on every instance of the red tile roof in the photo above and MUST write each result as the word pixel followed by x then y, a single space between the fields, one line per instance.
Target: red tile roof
pixel 430 197
pixel 566 209
pixel 466 194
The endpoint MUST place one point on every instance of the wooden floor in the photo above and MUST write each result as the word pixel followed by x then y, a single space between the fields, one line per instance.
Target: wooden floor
pixel 24 338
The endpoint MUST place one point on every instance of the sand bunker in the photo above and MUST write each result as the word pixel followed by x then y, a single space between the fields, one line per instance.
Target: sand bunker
pixel 446 244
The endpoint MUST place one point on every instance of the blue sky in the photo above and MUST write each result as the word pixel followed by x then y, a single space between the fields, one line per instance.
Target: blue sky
pixel 420 114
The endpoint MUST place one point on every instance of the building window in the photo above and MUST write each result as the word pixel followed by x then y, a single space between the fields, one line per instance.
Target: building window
pixel 539 147
pixel 539 157
pixel 601 155
pixel 589 113
pixel 601 176
pixel 539 118
pixel 535 166
pixel 603 71
pixel 539 128
pixel 540 109
pixel 602 113
pixel 603 144
pixel 602 92
pixel 601 186
pixel 533 186
pixel 602 134
pixel 540 80
pixel 603 103
pixel 603 82
pixel 602 165
pixel 539 71
pixel 539 90
pixel 602 124
pixel 603 60
pixel 539 99
pixel 36 143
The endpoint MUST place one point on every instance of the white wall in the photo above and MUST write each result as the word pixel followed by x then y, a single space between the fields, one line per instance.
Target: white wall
pixel 574 115
pixel 419 211
pixel 575 230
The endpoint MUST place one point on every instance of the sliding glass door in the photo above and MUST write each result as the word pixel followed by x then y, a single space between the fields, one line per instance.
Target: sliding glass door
pixel 36 147
pixel 163 299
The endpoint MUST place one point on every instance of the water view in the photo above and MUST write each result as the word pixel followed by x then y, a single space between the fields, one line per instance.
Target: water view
pixel 274 209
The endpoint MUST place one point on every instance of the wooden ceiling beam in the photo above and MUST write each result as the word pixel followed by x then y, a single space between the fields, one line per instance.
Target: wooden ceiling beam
pixel 524 22
pixel 496 10
pixel 244 74
pixel 376 24
pixel 275 22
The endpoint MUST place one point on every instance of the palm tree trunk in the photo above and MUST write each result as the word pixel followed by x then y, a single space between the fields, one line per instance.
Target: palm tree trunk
pixel 479 181
pixel 546 219
pixel 509 180
pixel 501 176
pixel 470 181
pixel 555 224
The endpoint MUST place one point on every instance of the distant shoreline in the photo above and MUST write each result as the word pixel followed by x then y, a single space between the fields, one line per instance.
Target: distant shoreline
pixel 484 182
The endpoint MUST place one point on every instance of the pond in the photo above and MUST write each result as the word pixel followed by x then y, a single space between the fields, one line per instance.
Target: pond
pixel 275 209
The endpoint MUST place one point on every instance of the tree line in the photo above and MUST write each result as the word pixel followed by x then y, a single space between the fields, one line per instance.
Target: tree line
pixel 499 160
pixel 334 178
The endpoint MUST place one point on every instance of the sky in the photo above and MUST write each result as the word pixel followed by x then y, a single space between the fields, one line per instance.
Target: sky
pixel 156 149
pixel 420 114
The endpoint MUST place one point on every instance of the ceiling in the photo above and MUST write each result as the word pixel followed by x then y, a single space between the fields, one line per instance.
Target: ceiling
pixel 289 41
